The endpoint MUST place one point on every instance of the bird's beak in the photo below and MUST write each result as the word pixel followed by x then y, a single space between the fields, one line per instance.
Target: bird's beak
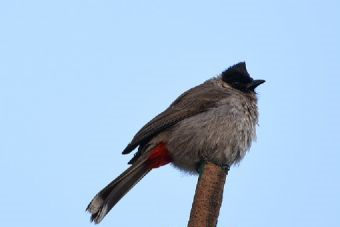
pixel 255 83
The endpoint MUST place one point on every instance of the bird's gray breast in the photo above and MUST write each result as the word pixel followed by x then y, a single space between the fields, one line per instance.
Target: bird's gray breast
pixel 221 135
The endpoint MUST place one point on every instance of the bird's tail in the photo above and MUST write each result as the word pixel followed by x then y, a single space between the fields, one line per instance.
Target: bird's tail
pixel 102 203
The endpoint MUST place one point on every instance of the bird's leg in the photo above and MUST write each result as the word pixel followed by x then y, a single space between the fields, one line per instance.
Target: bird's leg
pixel 200 166
pixel 226 168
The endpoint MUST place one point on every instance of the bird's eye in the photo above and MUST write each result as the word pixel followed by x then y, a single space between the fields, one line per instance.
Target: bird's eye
pixel 236 84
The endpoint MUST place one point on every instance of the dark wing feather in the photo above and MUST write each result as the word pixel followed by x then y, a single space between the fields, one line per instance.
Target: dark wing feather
pixel 192 102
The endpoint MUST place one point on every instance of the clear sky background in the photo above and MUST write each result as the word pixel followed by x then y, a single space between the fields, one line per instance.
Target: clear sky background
pixel 79 78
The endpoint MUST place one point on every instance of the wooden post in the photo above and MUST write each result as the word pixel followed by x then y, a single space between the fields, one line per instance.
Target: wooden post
pixel 208 196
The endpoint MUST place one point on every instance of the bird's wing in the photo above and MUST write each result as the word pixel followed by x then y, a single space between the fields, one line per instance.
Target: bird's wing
pixel 192 102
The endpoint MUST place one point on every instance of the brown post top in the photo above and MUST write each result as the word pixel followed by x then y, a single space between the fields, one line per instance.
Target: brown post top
pixel 208 196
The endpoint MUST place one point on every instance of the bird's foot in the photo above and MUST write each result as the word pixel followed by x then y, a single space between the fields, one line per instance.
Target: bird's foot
pixel 199 169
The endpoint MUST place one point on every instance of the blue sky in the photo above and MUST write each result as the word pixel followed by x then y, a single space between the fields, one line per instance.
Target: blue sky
pixel 79 78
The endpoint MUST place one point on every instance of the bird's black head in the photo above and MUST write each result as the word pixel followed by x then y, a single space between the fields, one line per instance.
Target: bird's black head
pixel 237 77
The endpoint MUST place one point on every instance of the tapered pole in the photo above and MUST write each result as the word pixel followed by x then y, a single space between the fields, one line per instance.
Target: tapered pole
pixel 208 196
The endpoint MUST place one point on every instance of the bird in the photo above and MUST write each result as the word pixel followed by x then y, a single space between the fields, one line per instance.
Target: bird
pixel 215 121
